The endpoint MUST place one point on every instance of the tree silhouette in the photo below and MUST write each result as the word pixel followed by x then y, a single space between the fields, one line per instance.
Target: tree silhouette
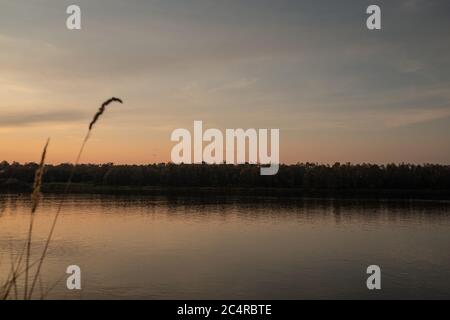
pixel 305 176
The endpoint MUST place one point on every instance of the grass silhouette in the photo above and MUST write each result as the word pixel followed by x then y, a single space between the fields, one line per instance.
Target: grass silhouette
pixel 9 290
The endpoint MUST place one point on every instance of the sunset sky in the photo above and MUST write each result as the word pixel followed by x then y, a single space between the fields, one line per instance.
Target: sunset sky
pixel 336 91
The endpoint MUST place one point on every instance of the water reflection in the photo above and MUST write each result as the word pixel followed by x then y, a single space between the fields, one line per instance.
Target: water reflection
pixel 237 247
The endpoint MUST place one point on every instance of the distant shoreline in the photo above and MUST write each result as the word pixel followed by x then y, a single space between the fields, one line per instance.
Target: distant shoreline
pixel 80 188
pixel 392 181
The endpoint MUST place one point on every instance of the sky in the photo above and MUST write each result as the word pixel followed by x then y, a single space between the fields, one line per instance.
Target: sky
pixel 337 91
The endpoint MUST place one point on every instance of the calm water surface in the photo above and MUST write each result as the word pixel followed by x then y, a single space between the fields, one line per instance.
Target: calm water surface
pixel 237 248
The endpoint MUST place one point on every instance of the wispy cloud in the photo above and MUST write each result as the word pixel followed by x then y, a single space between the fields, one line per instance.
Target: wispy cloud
pixel 23 119
pixel 412 117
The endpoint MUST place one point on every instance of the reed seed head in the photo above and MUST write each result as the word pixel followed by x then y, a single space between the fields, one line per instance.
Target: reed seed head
pixel 36 195
pixel 101 110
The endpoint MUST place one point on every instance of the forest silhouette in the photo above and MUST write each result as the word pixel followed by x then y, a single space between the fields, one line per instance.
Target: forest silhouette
pixel 304 176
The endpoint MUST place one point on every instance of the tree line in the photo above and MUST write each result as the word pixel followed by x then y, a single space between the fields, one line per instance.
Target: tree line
pixel 308 176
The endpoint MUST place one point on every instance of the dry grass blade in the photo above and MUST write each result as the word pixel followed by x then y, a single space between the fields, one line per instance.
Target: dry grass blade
pixel 14 275
pixel 10 282
pixel 35 198
pixel 100 111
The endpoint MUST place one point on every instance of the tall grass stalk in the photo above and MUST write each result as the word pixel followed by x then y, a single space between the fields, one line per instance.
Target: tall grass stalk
pixel 35 199
pixel 96 117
